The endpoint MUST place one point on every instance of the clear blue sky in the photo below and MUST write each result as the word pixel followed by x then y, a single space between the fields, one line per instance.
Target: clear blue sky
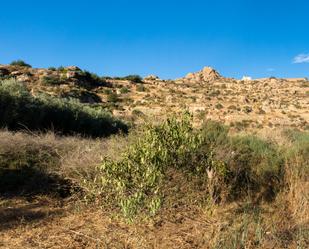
pixel 168 38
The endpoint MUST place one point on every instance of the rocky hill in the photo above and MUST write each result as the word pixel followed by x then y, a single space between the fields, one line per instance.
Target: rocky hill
pixel 249 104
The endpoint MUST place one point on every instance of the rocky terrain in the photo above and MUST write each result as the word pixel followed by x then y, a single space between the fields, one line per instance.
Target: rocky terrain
pixel 243 104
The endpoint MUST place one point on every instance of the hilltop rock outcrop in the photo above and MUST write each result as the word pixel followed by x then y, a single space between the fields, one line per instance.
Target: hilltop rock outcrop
pixel 208 74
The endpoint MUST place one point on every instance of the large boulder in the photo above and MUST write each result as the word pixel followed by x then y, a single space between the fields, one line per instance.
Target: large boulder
pixel 207 74
pixel 210 74
pixel 73 68
pixel 72 74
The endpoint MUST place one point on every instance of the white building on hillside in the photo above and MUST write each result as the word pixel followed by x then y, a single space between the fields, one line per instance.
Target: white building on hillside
pixel 246 78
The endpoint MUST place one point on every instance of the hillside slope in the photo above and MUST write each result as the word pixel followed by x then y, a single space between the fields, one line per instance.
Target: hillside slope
pixel 248 105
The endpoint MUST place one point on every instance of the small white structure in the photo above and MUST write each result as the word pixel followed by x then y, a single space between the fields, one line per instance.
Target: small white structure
pixel 246 78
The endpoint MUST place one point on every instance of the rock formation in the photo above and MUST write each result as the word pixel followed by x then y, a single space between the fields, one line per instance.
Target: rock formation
pixel 206 75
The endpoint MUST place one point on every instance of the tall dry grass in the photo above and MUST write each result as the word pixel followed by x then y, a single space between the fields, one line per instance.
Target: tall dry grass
pixel 29 160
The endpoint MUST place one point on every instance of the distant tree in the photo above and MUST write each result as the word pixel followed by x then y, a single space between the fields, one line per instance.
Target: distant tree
pixel 20 63
pixel 134 78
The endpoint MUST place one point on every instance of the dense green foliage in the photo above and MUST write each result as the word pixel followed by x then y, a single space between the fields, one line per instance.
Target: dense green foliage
pixel 20 63
pixel 92 79
pixel 135 181
pixel 234 167
pixel 19 110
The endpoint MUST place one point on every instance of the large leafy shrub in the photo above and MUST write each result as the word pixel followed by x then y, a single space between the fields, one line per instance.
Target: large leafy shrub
pixel 18 109
pixel 234 167
pixel 135 181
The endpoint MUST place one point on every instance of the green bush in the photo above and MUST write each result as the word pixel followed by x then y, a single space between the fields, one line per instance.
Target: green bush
pixel 91 76
pixel 19 110
pixel 61 69
pixel 20 63
pixel 134 78
pixel 124 90
pixel 112 97
pixel 135 181
pixel 107 91
pixel 137 112
pixel 214 134
pixel 247 109
pixel 234 167
pixel 219 106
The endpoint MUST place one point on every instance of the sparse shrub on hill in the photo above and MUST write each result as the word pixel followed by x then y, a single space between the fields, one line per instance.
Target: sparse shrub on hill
pixel 124 90
pixel 107 91
pixel 247 109
pixel 19 110
pixel 61 68
pixel 51 80
pixel 133 78
pixel 140 88
pixel 20 63
pixel 90 80
pixel 137 112
pixel 83 96
pixel 112 97
pixel 91 76
pixel 219 106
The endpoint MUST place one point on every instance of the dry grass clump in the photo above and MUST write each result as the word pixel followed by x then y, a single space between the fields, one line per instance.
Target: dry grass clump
pixel 28 162
pixel 32 163
pixel 297 176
